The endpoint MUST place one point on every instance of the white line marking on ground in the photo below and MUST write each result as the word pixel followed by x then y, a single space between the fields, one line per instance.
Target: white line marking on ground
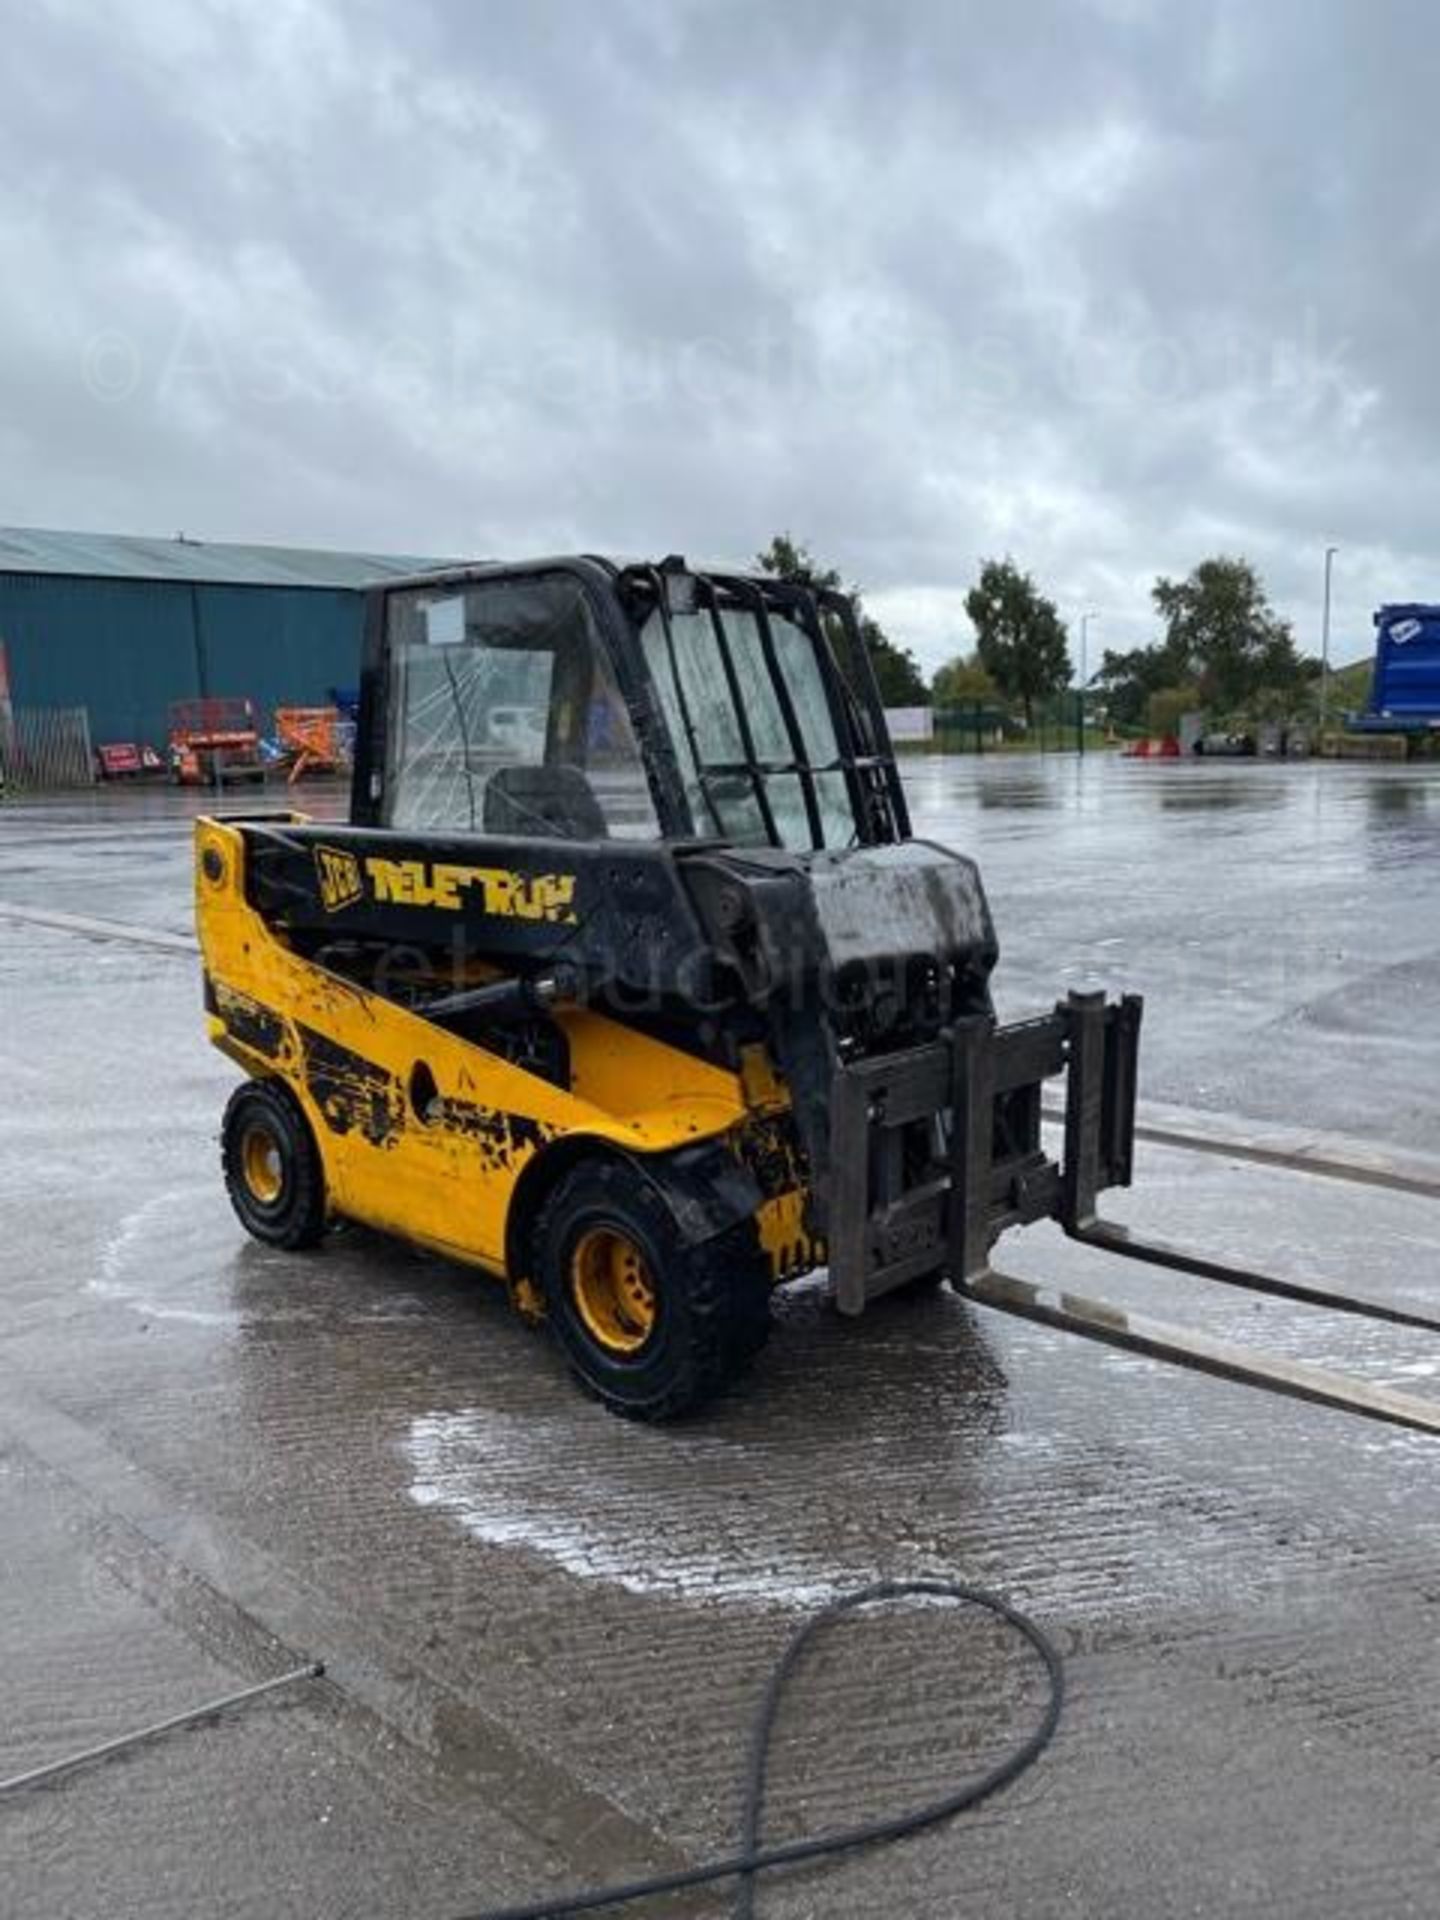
pixel 93 929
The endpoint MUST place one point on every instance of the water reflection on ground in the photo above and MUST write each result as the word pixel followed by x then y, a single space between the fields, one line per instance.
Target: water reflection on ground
pixel 1282 919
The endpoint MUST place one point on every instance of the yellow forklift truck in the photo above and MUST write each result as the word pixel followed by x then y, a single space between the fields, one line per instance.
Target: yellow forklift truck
pixel 628 982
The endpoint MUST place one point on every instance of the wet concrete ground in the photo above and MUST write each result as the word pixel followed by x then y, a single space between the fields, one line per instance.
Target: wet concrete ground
pixel 547 1629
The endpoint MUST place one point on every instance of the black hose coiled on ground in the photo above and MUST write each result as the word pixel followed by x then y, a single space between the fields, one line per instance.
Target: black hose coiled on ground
pixel 753 1859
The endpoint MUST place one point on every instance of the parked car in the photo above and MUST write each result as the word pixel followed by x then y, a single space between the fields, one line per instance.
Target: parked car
pixel 519 730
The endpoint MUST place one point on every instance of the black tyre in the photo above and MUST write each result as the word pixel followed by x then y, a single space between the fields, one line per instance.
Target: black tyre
pixel 650 1325
pixel 273 1171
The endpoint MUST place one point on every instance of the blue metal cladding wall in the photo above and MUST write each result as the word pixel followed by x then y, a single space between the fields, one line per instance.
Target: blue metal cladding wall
pixel 122 648
pixel 126 648
pixel 280 646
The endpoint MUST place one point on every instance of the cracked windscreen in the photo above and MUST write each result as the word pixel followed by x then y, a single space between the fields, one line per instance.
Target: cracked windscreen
pixel 504 717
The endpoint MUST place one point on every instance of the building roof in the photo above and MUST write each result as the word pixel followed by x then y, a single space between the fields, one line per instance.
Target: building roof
pixel 117 556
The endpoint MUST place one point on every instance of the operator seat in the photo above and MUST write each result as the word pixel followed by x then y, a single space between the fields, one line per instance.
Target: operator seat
pixel 533 802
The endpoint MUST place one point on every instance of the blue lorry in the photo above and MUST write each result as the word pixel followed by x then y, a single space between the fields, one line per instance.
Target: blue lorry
pixel 1405 689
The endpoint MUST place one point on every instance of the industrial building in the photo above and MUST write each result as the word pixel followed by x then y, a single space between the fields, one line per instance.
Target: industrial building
pixel 125 626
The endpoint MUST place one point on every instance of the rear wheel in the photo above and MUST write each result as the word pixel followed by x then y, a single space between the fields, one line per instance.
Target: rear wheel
pixel 651 1325
pixel 273 1171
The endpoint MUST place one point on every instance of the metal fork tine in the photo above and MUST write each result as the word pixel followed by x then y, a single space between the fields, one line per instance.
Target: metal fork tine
pixel 1188 1347
pixel 1110 1237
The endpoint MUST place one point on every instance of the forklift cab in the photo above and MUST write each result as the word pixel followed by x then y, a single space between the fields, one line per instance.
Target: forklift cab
pixel 579 700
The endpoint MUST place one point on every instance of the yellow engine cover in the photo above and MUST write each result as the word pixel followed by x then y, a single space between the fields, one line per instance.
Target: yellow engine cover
pixel 425 1134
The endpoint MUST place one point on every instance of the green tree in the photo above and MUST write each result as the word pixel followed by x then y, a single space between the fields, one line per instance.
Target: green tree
pixel 1233 644
pixel 1222 642
pixel 1127 682
pixel 897 671
pixel 1021 637
pixel 789 559
pixel 1168 706
pixel 962 681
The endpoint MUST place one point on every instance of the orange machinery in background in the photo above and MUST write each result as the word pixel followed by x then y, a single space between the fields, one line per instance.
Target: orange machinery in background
pixel 311 739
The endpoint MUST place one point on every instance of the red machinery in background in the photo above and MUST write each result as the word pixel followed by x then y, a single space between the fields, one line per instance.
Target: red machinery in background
pixel 212 741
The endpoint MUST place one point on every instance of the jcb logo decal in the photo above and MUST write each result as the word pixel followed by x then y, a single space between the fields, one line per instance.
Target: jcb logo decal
pixel 509 896
pixel 339 876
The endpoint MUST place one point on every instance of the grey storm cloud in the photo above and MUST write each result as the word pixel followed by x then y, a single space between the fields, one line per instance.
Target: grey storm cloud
pixel 1108 286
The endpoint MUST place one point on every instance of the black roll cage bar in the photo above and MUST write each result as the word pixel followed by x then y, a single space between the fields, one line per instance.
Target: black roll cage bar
pixel 621 597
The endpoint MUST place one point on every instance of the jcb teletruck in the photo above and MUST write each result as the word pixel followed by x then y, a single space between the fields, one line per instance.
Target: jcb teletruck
pixel 628 982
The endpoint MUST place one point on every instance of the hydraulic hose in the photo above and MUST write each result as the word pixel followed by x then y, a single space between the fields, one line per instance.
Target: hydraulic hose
pixel 753 1859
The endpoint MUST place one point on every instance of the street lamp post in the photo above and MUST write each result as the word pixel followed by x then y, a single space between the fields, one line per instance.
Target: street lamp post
pixel 1330 553
pixel 1085 620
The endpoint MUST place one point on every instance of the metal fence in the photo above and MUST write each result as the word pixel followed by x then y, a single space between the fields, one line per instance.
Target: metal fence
pixel 979 726
pixel 45 747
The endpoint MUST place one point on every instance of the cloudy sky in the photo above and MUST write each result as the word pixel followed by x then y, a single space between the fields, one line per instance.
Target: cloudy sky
pixel 1104 284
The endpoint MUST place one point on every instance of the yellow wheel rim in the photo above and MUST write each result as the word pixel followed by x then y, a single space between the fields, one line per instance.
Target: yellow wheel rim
pixel 261 1164
pixel 612 1289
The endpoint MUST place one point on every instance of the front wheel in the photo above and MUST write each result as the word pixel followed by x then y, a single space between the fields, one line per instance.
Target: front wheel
pixel 273 1171
pixel 650 1324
